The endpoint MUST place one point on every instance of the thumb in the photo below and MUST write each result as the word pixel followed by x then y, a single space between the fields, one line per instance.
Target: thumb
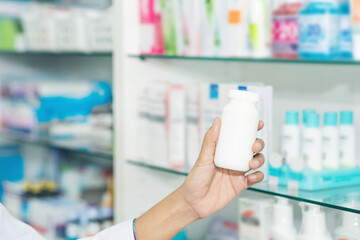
pixel 209 143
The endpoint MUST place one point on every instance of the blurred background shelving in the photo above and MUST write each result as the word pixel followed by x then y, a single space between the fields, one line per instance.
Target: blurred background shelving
pixel 60 54
pixel 248 59
pixel 56 137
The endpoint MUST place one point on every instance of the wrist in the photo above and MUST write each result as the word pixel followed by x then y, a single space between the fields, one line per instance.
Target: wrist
pixel 186 206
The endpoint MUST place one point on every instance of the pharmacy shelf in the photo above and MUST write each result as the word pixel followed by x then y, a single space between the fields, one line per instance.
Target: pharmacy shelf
pixel 337 198
pixel 60 54
pixel 249 60
pixel 81 149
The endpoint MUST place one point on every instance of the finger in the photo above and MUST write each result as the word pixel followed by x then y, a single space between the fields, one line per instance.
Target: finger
pixel 257 161
pixel 254 178
pixel 261 125
pixel 258 146
pixel 209 143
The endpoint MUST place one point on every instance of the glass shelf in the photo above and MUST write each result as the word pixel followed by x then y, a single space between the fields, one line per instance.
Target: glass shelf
pixel 80 148
pixel 249 60
pixel 66 54
pixel 337 198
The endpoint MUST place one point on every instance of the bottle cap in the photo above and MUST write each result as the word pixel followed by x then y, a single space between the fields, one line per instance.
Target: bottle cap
pixel 244 95
pixel 330 119
pixel 305 114
pixel 313 120
pixel 292 118
pixel 346 118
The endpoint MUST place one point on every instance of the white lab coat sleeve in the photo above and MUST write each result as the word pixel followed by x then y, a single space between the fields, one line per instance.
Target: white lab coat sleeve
pixel 13 229
pixel 122 231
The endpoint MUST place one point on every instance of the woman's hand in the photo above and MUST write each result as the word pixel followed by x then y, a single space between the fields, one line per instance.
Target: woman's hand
pixel 205 191
pixel 208 188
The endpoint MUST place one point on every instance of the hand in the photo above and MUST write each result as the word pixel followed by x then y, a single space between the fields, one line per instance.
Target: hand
pixel 205 191
pixel 208 188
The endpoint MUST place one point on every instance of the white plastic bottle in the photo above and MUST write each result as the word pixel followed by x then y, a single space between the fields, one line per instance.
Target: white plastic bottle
pixel 314 224
pixel 237 28
pixel 311 143
pixel 350 227
pixel 347 140
pixel 283 224
pixel 259 24
pixel 330 141
pixel 238 131
pixel 290 144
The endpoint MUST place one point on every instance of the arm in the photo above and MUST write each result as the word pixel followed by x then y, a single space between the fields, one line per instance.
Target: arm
pixel 206 190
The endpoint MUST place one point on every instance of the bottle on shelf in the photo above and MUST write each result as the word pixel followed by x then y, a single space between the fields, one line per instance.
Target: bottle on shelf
pixel 311 142
pixel 259 27
pixel 285 28
pixel 290 145
pixel 355 19
pixel 237 28
pixel 350 225
pixel 330 141
pixel 283 227
pixel 314 223
pixel 347 140
pixel 346 43
pixel 319 30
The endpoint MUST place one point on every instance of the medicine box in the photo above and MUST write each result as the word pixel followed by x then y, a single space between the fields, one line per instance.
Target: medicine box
pixel 312 181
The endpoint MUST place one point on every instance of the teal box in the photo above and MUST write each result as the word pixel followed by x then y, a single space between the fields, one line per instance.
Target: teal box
pixel 326 179
pixel 281 173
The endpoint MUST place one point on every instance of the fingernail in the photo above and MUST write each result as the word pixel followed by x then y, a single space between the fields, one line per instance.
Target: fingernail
pixel 215 125
pixel 253 177
pixel 257 163
pixel 258 145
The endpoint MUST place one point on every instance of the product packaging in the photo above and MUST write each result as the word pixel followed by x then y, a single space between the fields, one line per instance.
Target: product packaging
pixel 314 223
pixel 237 29
pixel 207 21
pixel 283 227
pixel 222 229
pixel 319 30
pixel 170 27
pixel 150 28
pixel 254 218
pixel 355 18
pixel 193 134
pixel 163 118
pixel 330 141
pixel 286 29
pixel 259 25
pixel 346 43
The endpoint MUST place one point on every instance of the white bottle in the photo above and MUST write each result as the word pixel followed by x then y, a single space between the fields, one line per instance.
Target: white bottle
pixel 238 131
pixel 259 28
pixel 237 28
pixel 311 144
pixel 283 223
pixel 290 144
pixel 347 140
pixel 330 141
pixel 314 224
pixel 350 227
